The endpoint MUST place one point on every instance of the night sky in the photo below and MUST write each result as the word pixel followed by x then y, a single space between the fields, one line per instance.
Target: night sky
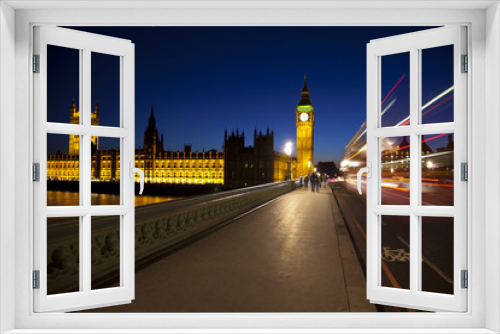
pixel 203 80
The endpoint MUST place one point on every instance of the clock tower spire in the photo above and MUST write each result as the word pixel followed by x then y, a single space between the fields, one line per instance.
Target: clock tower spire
pixel 304 118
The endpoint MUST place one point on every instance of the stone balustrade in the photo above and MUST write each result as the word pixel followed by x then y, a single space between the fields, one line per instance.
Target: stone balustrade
pixel 158 229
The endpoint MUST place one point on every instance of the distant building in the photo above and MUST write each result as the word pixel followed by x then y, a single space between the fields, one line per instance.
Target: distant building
pixel 74 140
pixel 238 166
pixel 186 167
pixel 329 168
pixel 159 166
pixel 248 166
pixel 396 159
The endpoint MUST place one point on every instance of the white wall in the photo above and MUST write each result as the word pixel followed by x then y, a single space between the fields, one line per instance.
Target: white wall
pixel 481 118
pixel 7 158
pixel 492 164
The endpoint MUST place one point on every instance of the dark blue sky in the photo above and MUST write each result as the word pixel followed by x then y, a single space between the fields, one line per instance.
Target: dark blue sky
pixel 203 80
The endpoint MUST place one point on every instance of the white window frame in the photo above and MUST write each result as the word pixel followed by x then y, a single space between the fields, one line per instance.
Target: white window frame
pixel 483 102
pixel 414 43
pixel 85 44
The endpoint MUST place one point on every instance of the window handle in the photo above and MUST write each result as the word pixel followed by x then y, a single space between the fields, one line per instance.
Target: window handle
pixel 368 172
pixel 139 171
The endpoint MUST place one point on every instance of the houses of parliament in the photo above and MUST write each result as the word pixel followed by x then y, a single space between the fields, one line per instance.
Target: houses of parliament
pixel 159 166
pixel 235 166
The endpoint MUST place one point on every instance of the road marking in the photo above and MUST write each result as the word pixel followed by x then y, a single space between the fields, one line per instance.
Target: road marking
pixel 392 255
pixel 429 263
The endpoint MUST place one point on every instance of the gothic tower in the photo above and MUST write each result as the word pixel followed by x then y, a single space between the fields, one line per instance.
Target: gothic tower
pixel 95 121
pixel 304 118
pixel 74 140
pixel 153 143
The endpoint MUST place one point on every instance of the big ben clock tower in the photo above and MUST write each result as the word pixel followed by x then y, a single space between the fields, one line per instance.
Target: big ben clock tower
pixel 304 118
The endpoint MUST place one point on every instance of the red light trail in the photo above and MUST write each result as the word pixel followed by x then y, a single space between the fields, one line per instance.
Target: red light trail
pixel 393 88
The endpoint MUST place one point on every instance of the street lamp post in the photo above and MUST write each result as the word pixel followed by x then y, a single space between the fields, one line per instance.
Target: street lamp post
pixel 288 151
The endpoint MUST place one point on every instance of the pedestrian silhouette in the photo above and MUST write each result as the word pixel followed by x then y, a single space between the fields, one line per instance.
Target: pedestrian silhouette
pixel 313 180
pixel 323 180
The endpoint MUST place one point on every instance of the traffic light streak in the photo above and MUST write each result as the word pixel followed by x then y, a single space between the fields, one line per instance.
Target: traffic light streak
pixel 403 122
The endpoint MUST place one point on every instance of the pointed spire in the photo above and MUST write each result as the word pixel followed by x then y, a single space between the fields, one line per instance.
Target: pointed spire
pixel 73 105
pixel 96 109
pixel 73 117
pixel 152 119
pixel 304 99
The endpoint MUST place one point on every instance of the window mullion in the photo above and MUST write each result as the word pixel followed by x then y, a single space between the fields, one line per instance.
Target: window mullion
pixel 414 170
pixel 85 172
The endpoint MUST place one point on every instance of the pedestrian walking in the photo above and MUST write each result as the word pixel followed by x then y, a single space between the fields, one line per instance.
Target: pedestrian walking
pixel 318 182
pixel 313 180
pixel 323 180
pixel 306 181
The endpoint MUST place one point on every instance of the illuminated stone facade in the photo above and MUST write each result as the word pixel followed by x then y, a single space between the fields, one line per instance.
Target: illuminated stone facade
pixel 159 166
pixel 238 166
pixel 181 167
pixel 74 140
pixel 304 118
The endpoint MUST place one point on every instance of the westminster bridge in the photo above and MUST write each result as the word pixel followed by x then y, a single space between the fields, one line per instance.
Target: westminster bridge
pixel 270 248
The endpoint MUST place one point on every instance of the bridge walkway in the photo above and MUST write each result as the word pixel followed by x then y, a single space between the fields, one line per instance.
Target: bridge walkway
pixel 293 254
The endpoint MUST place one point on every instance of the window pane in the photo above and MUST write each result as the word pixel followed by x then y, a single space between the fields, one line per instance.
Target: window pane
pixel 437 169
pixel 63 85
pixel 395 171
pixel 395 251
pixel 395 109
pixel 105 90
pixel 437 85
pixel 105 252
pixel 105 171
pixel 63 255
pixel 63 170
pixel 437 254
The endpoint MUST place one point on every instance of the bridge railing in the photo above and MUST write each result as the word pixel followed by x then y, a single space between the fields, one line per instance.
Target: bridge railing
pixel 159 228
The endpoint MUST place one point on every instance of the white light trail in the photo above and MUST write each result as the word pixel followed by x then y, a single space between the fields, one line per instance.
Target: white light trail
pixel 436 98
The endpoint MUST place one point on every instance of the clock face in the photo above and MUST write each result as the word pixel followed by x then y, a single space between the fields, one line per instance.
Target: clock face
pixel 304 116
